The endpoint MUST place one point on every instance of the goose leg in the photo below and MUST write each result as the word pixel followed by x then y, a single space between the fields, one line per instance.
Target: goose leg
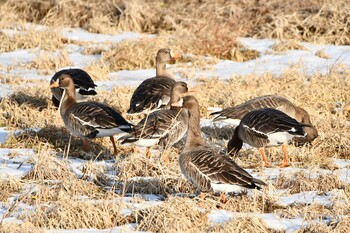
pixel 286 160
pixel 86 145
pixel 223 197
pixel 148 153
pixel 166 156
pixel 115 152
pixel 201 199
pixel 262 152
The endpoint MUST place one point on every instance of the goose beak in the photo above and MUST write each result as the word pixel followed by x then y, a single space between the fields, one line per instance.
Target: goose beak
pixel 55 84
pixel 175 56
pixel 191 90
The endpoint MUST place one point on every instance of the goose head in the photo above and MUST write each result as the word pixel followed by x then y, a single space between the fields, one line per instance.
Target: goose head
pixel 165 55
pixel 64 81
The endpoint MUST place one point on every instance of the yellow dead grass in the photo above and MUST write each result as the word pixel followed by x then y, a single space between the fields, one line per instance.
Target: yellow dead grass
pixel 49 63
pixel 175 215
pixel 29 39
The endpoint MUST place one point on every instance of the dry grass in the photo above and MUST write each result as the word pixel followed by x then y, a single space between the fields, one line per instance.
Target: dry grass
pixel 288 45
pixel 26 227
pixel 302 181
pixel 175 215
pixel 49 63
pixel 242 224
pixel 58 198
pixel 8 187
pixel 58 190
pixel 311 20
pixel 68 214
pixel 47 40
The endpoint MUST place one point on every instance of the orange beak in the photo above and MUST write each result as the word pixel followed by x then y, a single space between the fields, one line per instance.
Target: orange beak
pixel 191 90
pixel 55 84
pixel 175 56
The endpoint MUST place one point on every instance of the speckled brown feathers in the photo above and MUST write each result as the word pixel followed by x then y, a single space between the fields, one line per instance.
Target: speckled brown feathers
pixel 202 165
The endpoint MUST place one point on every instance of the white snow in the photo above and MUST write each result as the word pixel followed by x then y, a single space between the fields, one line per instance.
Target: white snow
pixel 82 35
pixel 20 56
pixel 272 221
pixel 14 166
pixel 307 198
pixel 4 134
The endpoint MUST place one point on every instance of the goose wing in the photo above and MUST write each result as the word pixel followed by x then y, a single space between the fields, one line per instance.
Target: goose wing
pixel 269 120
pixel 98 116
pixel 205 167
pixel 80 77
pixel 150 94
pixel 154 126
pixel 238 112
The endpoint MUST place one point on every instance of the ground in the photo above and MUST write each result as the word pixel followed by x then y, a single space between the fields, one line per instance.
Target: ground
pixel 299 51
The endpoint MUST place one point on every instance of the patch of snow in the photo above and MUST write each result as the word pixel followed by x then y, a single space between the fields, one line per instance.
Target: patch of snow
pixel 20 56
pixel 4 134
pixel 342 163
pixel 82 35
pixel 5 90
pixel 344 175
pixel 306 198
pixel 271 220
pixel 270 62
pixel 14 166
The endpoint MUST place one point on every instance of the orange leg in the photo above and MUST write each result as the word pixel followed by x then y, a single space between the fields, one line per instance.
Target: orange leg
pixel 148 153
pixel 201 199
pixel 286 160
pixel 115 152
pixel 262 152
pixel 223 197
pixel 86 145
pixel 166 156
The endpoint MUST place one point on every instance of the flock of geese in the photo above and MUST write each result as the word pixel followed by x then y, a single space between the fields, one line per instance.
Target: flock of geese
pixel 170 113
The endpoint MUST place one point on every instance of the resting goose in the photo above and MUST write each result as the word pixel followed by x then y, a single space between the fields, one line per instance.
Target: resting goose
pixel 202 166
pixel 232 115
pixel 84 85
pixel 88 120
pixel 154 93
pixel 263 128
pixel 164 127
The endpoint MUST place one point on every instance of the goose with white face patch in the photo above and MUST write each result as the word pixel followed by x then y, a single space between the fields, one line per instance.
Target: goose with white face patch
pixel 263 128
pixel 154 93
pixel 164 127
pixel 232 115
pixel 84 85
pixel 205 168
pixel 88 120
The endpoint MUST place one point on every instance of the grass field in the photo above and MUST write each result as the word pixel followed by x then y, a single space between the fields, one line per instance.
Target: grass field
pixel 232 51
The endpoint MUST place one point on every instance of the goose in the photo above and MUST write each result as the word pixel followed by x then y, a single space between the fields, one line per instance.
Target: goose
pixel 263 128
pixel 232 115
pixel 154 93
pixel 84 85
pixel 164 127
pixel 206 169
pixel 88 120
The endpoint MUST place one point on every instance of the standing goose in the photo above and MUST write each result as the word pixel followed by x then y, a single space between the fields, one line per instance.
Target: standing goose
pixel 234 114
pixel 164 127
pixel 88 120
pixel 266 127
pixel 84 85
pixel 203 167
pixel 154 93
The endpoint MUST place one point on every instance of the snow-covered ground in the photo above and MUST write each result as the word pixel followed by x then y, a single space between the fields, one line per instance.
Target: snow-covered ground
pixel 269 61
